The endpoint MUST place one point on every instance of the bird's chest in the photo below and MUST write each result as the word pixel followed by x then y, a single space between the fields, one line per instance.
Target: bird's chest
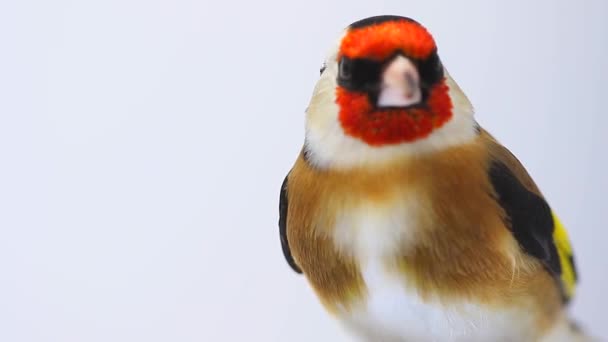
pixel 391 307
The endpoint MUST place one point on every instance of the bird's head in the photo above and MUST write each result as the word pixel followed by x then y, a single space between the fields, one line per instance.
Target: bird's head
pixel 384 94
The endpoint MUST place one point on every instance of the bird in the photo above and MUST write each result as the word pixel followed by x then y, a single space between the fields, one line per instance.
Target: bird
pixel 409 221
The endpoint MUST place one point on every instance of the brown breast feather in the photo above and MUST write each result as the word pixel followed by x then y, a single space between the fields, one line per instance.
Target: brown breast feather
pixel 464 249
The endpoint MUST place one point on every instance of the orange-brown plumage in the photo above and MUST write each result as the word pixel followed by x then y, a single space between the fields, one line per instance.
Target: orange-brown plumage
pixel 463 223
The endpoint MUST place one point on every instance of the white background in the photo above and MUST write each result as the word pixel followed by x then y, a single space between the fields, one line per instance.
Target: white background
pixel 143 143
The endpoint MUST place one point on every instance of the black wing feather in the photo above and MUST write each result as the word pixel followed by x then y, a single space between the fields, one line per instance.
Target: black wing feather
pixel 529 215
pixel 283 227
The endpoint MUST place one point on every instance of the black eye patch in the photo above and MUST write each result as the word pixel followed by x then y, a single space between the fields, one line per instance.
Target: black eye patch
pixel 363 75
pixel 359 74
pixel 430 69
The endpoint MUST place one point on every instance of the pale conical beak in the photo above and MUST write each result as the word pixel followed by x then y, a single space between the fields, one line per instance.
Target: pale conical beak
pixel 400 84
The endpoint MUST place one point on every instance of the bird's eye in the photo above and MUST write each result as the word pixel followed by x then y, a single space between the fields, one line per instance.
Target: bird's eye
pixel 346 69
pixel 322 68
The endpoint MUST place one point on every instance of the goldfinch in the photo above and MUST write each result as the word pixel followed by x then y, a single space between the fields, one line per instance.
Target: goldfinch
pixel 410 221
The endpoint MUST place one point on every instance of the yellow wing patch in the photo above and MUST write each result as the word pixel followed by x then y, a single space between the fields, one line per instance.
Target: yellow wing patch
pixel 566 256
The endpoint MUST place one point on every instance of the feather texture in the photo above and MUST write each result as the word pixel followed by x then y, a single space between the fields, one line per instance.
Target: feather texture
pixel 432 225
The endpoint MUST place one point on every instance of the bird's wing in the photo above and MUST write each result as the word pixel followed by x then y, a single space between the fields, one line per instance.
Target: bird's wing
pixel 283 206
pixel 534 225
